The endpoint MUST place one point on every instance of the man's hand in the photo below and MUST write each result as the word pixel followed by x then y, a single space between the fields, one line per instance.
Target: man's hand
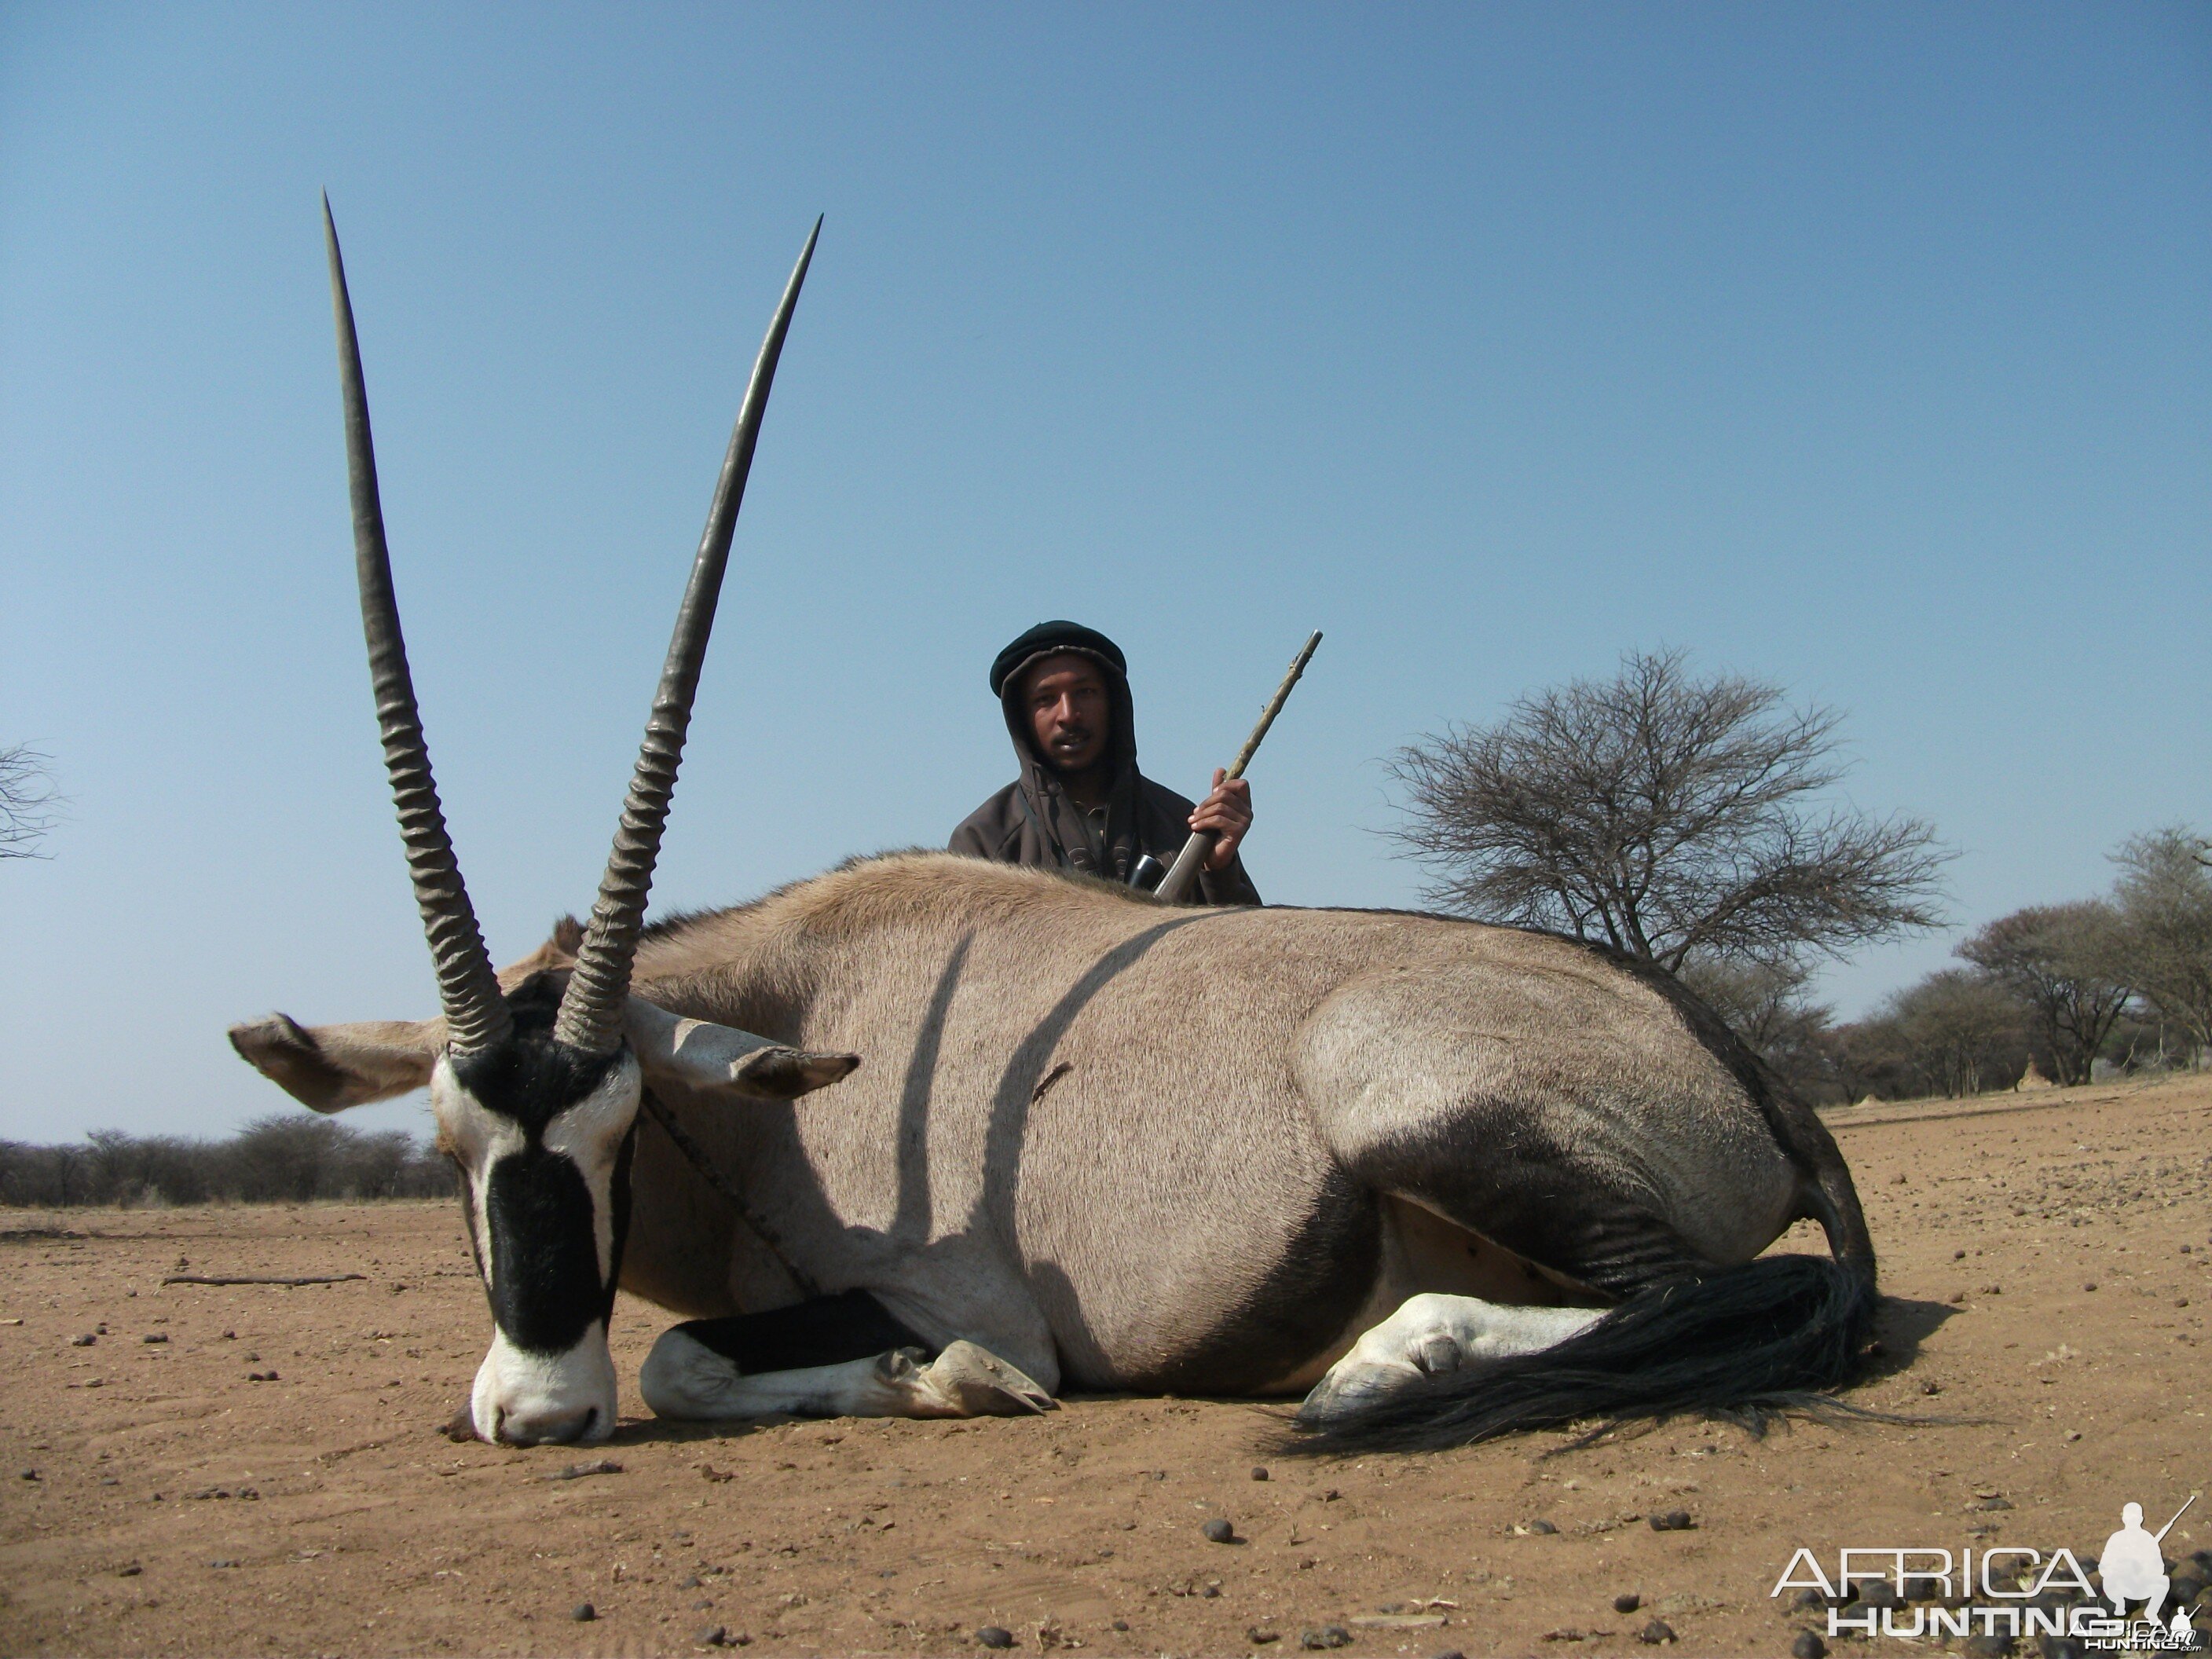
pixel 1226 814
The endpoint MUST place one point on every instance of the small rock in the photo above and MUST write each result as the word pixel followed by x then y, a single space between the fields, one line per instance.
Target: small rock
pixel 1991 1503
pixel 996 1636
pixel 1260 1636
pixel 1219 1531
pixel 1259 1472
pixel 1449 1653
pixel 1808 1598
pixel 1672 1521
pixel 583 1612
pixel 1931 1387
pixel 713 1636
pixel 1627 1601
pixel 1118 1624
pixel 230 1336
pixel 224 1563
pixel 1209 1592
pixel 31 1475
pixel 1807 1646
pixel 2091 1285
pixel 1657 1631
pixel 1543 1528
pixel 1328 1636
pixel 154 1336
pixel 689 1580
pixel 1989 1646
pixel 84 1341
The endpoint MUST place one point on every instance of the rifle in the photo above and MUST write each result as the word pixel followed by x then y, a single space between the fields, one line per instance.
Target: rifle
pixel 2159 1537
pixel 1182 874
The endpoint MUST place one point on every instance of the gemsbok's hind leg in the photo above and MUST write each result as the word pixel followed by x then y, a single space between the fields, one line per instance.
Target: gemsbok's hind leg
pixel 682 1378
pixel 1429 1335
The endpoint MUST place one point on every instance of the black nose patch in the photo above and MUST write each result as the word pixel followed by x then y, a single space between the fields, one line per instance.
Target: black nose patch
pixel 545 1284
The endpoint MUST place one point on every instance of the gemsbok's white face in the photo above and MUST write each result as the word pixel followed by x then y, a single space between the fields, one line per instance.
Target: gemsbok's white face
pixel 540 1131
pixel 537 1086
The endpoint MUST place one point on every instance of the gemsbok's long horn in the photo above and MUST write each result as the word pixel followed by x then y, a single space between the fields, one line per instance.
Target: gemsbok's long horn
pixel 476 1014
pixel 592 1007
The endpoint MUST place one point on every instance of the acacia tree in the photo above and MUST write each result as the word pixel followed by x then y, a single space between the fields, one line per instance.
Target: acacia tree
pixel 26 801
pixel 2067 965
pixel 1669 815
pixel 1961 1031
pixel 2165 898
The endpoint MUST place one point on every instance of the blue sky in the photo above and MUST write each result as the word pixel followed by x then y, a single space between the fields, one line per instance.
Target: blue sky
pixel 1863 348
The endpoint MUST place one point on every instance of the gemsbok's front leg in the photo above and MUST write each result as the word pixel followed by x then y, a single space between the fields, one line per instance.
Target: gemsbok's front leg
pixel 683 1378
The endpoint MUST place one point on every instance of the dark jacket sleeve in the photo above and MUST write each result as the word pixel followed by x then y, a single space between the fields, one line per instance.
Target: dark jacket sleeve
pixel 1229 887
pixel 992 831
pixel 967 840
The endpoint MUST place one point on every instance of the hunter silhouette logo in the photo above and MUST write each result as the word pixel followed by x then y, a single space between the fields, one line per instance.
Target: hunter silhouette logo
pixel 2134 1571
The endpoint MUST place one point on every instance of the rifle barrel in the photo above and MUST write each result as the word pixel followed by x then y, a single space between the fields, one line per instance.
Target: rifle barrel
pixel 1182 874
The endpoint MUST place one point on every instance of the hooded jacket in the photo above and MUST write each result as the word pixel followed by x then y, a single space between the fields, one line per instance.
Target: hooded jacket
pixel 1032 821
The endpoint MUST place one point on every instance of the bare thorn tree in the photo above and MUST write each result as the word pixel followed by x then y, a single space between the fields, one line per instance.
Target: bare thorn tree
pixel 2165 899
pixel 28 802
pixel 1669 815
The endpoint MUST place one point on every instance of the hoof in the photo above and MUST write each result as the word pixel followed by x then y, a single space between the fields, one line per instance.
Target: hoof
pixel 981 1385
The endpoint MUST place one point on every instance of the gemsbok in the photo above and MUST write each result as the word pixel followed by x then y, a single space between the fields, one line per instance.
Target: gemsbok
pixel 1446 1180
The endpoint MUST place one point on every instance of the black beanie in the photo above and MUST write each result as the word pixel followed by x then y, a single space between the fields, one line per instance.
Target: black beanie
pixel 1054 637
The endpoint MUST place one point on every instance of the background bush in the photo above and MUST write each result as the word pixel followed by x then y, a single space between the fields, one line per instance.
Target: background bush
pixel 285 1157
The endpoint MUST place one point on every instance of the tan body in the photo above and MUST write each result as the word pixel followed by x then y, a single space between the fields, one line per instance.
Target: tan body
pixel 1126 1145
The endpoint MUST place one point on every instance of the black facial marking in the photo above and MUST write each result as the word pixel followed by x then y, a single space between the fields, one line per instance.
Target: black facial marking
pixel 530 1079
pixel 618 1194
pixel 543 1271
pixel 545 1288
pixel 828 1331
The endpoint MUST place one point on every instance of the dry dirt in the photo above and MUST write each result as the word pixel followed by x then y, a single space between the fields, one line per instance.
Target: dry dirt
pixel 2047 1256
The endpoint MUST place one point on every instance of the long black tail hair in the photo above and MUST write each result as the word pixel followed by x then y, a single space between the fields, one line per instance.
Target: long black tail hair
pixel 1745 1344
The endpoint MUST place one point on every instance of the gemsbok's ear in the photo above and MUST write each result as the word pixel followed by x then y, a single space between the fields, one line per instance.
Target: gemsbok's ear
pixel 718 1057
pixel 334 1066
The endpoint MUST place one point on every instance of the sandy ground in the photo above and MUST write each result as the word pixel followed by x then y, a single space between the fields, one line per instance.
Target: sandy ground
pixel 2050 1259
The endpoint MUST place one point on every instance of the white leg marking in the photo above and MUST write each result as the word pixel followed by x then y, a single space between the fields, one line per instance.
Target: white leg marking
pixel 683 1378
pixel 1431 1334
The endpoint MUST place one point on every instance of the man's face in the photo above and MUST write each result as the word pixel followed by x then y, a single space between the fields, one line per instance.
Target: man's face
pixel 1070 716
